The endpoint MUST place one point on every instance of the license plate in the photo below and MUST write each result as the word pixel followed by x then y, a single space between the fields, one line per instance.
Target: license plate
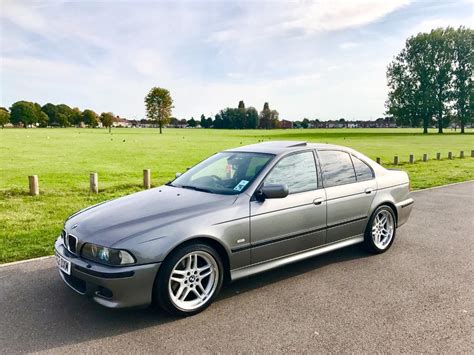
pixel 63 264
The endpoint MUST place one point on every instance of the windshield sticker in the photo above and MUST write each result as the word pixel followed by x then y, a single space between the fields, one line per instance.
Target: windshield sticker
pixel 241 185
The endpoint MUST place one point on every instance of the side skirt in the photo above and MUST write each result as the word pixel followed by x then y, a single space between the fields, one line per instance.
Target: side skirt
pixel 267 265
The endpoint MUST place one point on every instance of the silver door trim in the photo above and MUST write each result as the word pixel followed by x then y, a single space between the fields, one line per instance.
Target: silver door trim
pixel 267 265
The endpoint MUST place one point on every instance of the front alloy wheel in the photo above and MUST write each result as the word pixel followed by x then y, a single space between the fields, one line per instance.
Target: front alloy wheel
pixel 190 279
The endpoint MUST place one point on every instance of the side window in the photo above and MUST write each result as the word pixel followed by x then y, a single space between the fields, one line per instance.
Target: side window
pixel 298 171
pixel 337 168
pixel 363 171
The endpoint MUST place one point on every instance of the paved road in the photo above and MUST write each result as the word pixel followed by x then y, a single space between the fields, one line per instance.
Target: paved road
pixel 416 297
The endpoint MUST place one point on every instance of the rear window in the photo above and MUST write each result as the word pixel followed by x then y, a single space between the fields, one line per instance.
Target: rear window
pixel 337 168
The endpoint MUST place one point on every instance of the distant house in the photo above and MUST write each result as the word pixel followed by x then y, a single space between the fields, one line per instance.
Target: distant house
pixel 121 122
pixel 286 124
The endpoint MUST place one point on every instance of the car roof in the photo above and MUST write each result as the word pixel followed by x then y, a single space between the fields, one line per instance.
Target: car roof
pixel 282 147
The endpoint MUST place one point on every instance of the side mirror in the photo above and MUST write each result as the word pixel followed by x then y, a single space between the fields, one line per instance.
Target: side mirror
pixel 272 191
pixel 178 175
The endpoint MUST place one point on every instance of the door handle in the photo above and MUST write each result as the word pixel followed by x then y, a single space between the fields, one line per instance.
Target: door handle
pixel 318 201
pixel 369 190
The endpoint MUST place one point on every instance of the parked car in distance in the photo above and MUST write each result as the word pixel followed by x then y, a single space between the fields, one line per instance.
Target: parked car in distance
pixel 237 213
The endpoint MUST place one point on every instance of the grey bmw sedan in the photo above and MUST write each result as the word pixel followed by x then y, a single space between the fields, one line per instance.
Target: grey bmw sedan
pixel 237 213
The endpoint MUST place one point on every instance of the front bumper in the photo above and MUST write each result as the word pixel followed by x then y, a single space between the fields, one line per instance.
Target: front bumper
pixel 403 210
pixel 113 287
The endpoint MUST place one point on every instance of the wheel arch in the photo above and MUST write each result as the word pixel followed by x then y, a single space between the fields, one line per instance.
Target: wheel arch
pixel 388 204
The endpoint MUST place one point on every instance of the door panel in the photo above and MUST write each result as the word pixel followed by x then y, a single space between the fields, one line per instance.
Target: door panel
pixel 297 222
pixel 347 209
pixel 288 225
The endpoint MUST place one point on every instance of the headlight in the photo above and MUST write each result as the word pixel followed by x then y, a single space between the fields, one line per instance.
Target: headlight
pixel 107 256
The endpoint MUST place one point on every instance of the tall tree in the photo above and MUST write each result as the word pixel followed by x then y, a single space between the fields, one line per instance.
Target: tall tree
pixel 4 116
pixel 24 112
pixel 463 89
pixel 159 104
pixel 107 119
pixel 64 115
pixel 431 77
pixel 269 118
pixel 91 119
pixel 203 121
pixel 76 116
pixel 192 122
pixel 411 80
pixel 52 112
pixel 252 118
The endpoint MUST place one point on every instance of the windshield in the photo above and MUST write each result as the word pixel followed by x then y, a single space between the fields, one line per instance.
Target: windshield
pixel 226 173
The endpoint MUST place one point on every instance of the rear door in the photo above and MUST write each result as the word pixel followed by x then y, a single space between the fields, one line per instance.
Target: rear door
pixel 297 222
pixel 349 193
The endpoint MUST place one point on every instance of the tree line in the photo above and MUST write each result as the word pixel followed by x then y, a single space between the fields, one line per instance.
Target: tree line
pixel 431 80
pixel 26 113
pixel 159 105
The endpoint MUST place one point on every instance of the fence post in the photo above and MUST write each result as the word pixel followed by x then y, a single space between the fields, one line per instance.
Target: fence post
pixel 378 159
pixel 94 183
pixel 425 157
pixel 146 178
pixel 395 160
pixel 450 155
pixel 412 159
pixel 461 154
pixel 34 186
pixel 472 153
pixel 438 156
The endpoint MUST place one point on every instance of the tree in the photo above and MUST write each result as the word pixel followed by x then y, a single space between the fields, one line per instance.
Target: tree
pixel 107 119
pixel 4 116
pixel 268 118
pixel 24 112
pixel 159 104
pixel 431 77
pixel 209 122
pixel 204 121
pixel 305 123
pixel 76 116
pixel 91 119
pixel 252 118
pixel 463 91
pixel 65 114
pixel 192 122
pixel 52 112
pixel 43 119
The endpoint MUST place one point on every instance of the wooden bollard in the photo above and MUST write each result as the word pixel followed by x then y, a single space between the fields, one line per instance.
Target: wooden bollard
pixel 94 183
pixel 438 156
pixel 472 153
pixel 34 186
pixel 461 154
pixel 378 160
pixel 425 157
pixel 146 178
pixel 412 159
pixel 395 160
pixel 450 155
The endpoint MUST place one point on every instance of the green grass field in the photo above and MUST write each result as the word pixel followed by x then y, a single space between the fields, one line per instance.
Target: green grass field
pixel 63 159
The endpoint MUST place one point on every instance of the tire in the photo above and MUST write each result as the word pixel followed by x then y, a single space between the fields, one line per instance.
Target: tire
pixel 379 236
pixel 191 270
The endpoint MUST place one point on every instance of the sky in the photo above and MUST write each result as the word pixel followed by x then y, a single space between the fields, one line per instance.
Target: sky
pixel 314 59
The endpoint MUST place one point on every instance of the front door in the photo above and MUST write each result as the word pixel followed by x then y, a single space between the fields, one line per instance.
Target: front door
pixel 297 222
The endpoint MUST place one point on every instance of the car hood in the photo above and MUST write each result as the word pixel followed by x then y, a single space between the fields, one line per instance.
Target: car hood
pixel 142 212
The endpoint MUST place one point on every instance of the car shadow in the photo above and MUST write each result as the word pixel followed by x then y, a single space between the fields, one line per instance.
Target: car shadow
pixel 39 312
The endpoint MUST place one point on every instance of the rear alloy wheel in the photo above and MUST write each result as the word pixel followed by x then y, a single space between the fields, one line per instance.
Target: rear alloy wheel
pixel 381 229
pixel 190 280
